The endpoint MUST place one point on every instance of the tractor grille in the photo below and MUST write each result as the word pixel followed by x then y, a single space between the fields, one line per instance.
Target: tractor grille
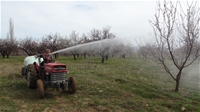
pixel 58 77
pixel 59 67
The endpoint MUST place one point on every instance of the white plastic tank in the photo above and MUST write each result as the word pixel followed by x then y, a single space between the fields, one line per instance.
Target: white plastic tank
pixel 30 60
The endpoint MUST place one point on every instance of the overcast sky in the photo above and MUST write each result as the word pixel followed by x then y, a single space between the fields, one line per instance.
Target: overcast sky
pixel 128 20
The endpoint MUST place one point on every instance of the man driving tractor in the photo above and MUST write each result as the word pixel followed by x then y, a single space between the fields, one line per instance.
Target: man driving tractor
pixel 48 57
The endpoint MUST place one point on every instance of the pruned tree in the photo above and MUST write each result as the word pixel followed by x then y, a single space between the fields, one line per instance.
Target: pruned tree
pixel 9 44
pixel 74 40
pixel 84 39
pixel 52 42
pixel 41 47
pixel 29 46
pixel 177 37
pixel 106 34
pixel 143 52
pixel 63 42
pixel 104 51
pixel 126 49
pixel 96 34
pixel 3 47
pixel 117 48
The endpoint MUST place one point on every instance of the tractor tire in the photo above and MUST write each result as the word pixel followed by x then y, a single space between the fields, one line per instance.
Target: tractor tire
pixel 40 88
pixel 72 85
pixel 31 76
pixel 22 71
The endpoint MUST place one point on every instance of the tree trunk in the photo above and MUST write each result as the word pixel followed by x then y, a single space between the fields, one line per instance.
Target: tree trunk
pixel 178 77
pixel 177 85
pixel 74 57
pixel 102 59
pixel 106 57
pixel 55 56
pixel 84 55
pixel 7 55
pixel 123 56
pixel 3 55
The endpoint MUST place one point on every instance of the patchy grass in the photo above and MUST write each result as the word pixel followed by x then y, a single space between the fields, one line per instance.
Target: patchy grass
pixel 129 84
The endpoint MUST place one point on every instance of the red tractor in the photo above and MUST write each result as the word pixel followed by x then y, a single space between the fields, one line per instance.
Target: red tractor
pixel 40 75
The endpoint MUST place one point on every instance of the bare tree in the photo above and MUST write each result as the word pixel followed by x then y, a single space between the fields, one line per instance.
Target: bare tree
pixel 117 50
pixel 9 44
pixel 96 34
pixel 106 34
pixel 75 40
pixel 143 52
pixel 3 47
pixel 52 42
pixel 29 46
pixel 63 42
pixel 176 39
pixel 84 39
pixel 41 47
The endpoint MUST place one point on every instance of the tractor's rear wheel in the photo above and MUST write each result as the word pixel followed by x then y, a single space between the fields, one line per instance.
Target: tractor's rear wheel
pixel 40 88
pixel 31 76
pixel 72 85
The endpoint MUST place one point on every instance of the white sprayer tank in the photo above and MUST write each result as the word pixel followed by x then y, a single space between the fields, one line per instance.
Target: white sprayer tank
pixel 30 60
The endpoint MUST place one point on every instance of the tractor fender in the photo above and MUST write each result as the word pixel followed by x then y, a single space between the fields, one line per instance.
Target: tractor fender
pixel 31 59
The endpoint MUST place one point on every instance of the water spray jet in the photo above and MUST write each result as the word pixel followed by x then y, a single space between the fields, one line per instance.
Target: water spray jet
pixel 95 44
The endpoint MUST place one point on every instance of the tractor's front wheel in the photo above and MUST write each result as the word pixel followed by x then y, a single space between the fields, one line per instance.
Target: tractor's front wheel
pixel 72 85
pixel 22 71
pixel 31 76
pixel 40 88
pixel 63 86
